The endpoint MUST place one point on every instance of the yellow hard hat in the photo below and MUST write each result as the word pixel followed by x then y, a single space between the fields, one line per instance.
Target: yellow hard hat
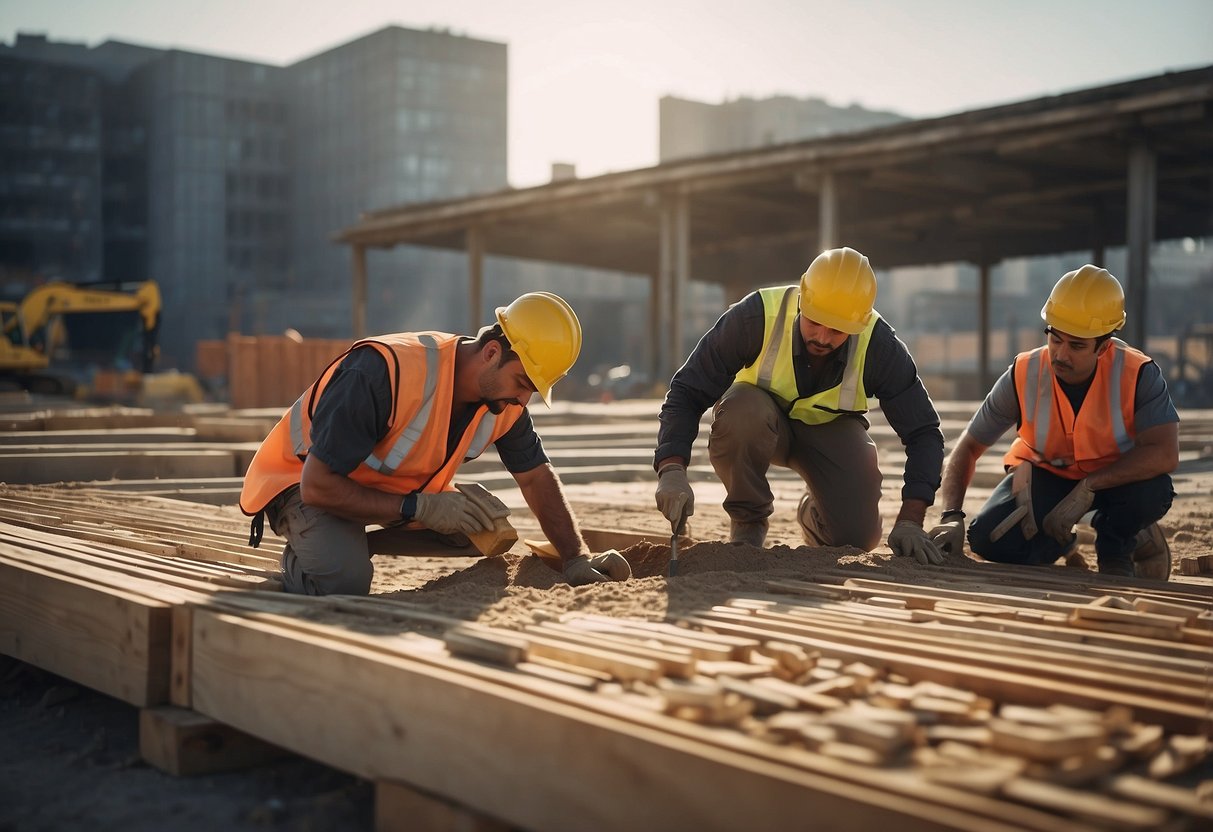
pixel 838 290
pixel 546 334
pixel 1086 303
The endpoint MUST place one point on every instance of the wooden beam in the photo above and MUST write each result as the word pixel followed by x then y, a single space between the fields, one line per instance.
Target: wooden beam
pixel 183 743
pixel 110 640
pixel 390 717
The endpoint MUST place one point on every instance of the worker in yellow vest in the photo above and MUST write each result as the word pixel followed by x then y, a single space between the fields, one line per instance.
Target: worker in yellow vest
pixel 1097 430
pixel 377 439
pixel 788 372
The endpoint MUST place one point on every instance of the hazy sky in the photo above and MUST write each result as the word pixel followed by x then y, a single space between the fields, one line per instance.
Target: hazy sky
pixel 585 77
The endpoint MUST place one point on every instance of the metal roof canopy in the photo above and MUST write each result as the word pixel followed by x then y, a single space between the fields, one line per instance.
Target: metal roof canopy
pixel 1123 164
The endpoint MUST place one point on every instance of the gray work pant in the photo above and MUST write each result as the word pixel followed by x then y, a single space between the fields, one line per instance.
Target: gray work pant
pixel 837 461
pixel 324 554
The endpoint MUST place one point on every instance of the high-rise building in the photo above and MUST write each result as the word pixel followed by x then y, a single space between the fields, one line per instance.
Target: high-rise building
pixel 50 171
pixel 224 179
pixel 695 128
pixel 395 117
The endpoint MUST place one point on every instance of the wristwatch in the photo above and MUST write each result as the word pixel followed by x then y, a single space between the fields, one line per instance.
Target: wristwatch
pixel 408 507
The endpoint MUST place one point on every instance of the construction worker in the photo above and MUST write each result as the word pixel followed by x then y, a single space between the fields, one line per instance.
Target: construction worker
pixel 377 439
pixel 1097 430
pixel 789 371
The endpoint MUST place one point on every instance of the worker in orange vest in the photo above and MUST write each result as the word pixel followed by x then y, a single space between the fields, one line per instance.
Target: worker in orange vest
pixel 788 372
pixel 1097 430
pixel 378 438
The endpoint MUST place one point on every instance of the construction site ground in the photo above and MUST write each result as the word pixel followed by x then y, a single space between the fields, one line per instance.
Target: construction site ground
pixel 770 685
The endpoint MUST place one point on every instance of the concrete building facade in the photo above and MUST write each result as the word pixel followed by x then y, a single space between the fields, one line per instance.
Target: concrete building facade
pixel 696 128
pixel 224 179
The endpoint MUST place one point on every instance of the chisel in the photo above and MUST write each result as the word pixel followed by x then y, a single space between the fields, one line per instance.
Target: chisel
pixel 678 530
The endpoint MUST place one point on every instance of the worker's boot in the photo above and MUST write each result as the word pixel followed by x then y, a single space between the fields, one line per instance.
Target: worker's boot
pixel 1152 555
pixel 752 534
pixel 812 524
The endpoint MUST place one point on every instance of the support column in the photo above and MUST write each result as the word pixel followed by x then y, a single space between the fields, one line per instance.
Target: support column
pixel 827 226
pixel 359 298
pixel 660 303
pixel 474 240
pixel 983 326
pixel 1099 237
pixel 681 234
pixel 1142 193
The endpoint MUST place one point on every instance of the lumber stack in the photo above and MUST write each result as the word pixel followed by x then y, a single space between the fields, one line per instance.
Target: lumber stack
pixel 91 587
pixel 1056 706
pixel 974 697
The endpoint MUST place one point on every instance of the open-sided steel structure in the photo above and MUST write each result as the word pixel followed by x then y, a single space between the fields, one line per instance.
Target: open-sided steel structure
pixel 1124 164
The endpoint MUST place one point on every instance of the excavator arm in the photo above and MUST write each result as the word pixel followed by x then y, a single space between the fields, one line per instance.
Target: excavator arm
pixel 25 322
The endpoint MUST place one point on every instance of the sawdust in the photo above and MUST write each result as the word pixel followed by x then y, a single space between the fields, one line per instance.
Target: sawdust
pixel 517 589
pixel 513 590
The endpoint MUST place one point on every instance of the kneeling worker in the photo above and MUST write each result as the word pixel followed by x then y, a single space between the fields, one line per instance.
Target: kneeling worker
pixel 788 371
pixel 378 438
pixel 1097 430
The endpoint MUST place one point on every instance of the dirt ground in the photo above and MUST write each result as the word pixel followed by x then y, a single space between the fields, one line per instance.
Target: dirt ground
pixel 69 756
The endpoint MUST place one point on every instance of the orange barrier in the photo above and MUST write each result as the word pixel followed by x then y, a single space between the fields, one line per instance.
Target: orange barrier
pixel 265 370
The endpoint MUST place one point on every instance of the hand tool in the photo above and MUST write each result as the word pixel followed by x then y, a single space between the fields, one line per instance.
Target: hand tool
pixel 679 528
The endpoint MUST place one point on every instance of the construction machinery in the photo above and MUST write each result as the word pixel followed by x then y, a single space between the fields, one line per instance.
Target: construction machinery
pixel 34 353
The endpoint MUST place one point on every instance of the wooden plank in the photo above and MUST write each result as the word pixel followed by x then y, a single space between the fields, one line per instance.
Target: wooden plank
pixel 181 656
pixel 110 640
pixel 674 661
pixel 1048 653
pixel 1098 638
pixel 1000 685
pixel 184 743
pixel 502 536
pixel 135 562
pixel 1145 790
pixel 389 717
pixel 1111 677
pixel 739 648
pixel 135 565
pixel 1117 814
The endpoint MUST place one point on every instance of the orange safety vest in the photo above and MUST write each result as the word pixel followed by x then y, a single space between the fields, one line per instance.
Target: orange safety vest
pixel 411 456
pixel 1051 435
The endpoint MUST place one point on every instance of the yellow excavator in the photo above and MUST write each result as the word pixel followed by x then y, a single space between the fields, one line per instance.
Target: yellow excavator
pixel 34 331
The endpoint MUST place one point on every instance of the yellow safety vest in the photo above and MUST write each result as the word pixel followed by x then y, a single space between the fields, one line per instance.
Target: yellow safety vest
pixel 773 370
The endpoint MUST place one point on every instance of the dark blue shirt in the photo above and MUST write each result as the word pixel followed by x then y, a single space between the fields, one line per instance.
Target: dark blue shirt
pixel 352 415
pixel 889 375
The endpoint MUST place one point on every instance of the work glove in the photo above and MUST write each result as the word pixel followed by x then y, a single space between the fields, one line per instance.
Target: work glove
pixel 614 565
pixel 1021 490
pixel 579 571
pixel 450 512
pixel 1059 523
pixel 949 535
pixel 675 499
pixel 909 538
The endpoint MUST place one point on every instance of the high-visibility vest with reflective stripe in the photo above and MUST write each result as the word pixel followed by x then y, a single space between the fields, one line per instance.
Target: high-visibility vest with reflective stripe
pixel 1052 436
pixel 773 370
pixel 412 455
